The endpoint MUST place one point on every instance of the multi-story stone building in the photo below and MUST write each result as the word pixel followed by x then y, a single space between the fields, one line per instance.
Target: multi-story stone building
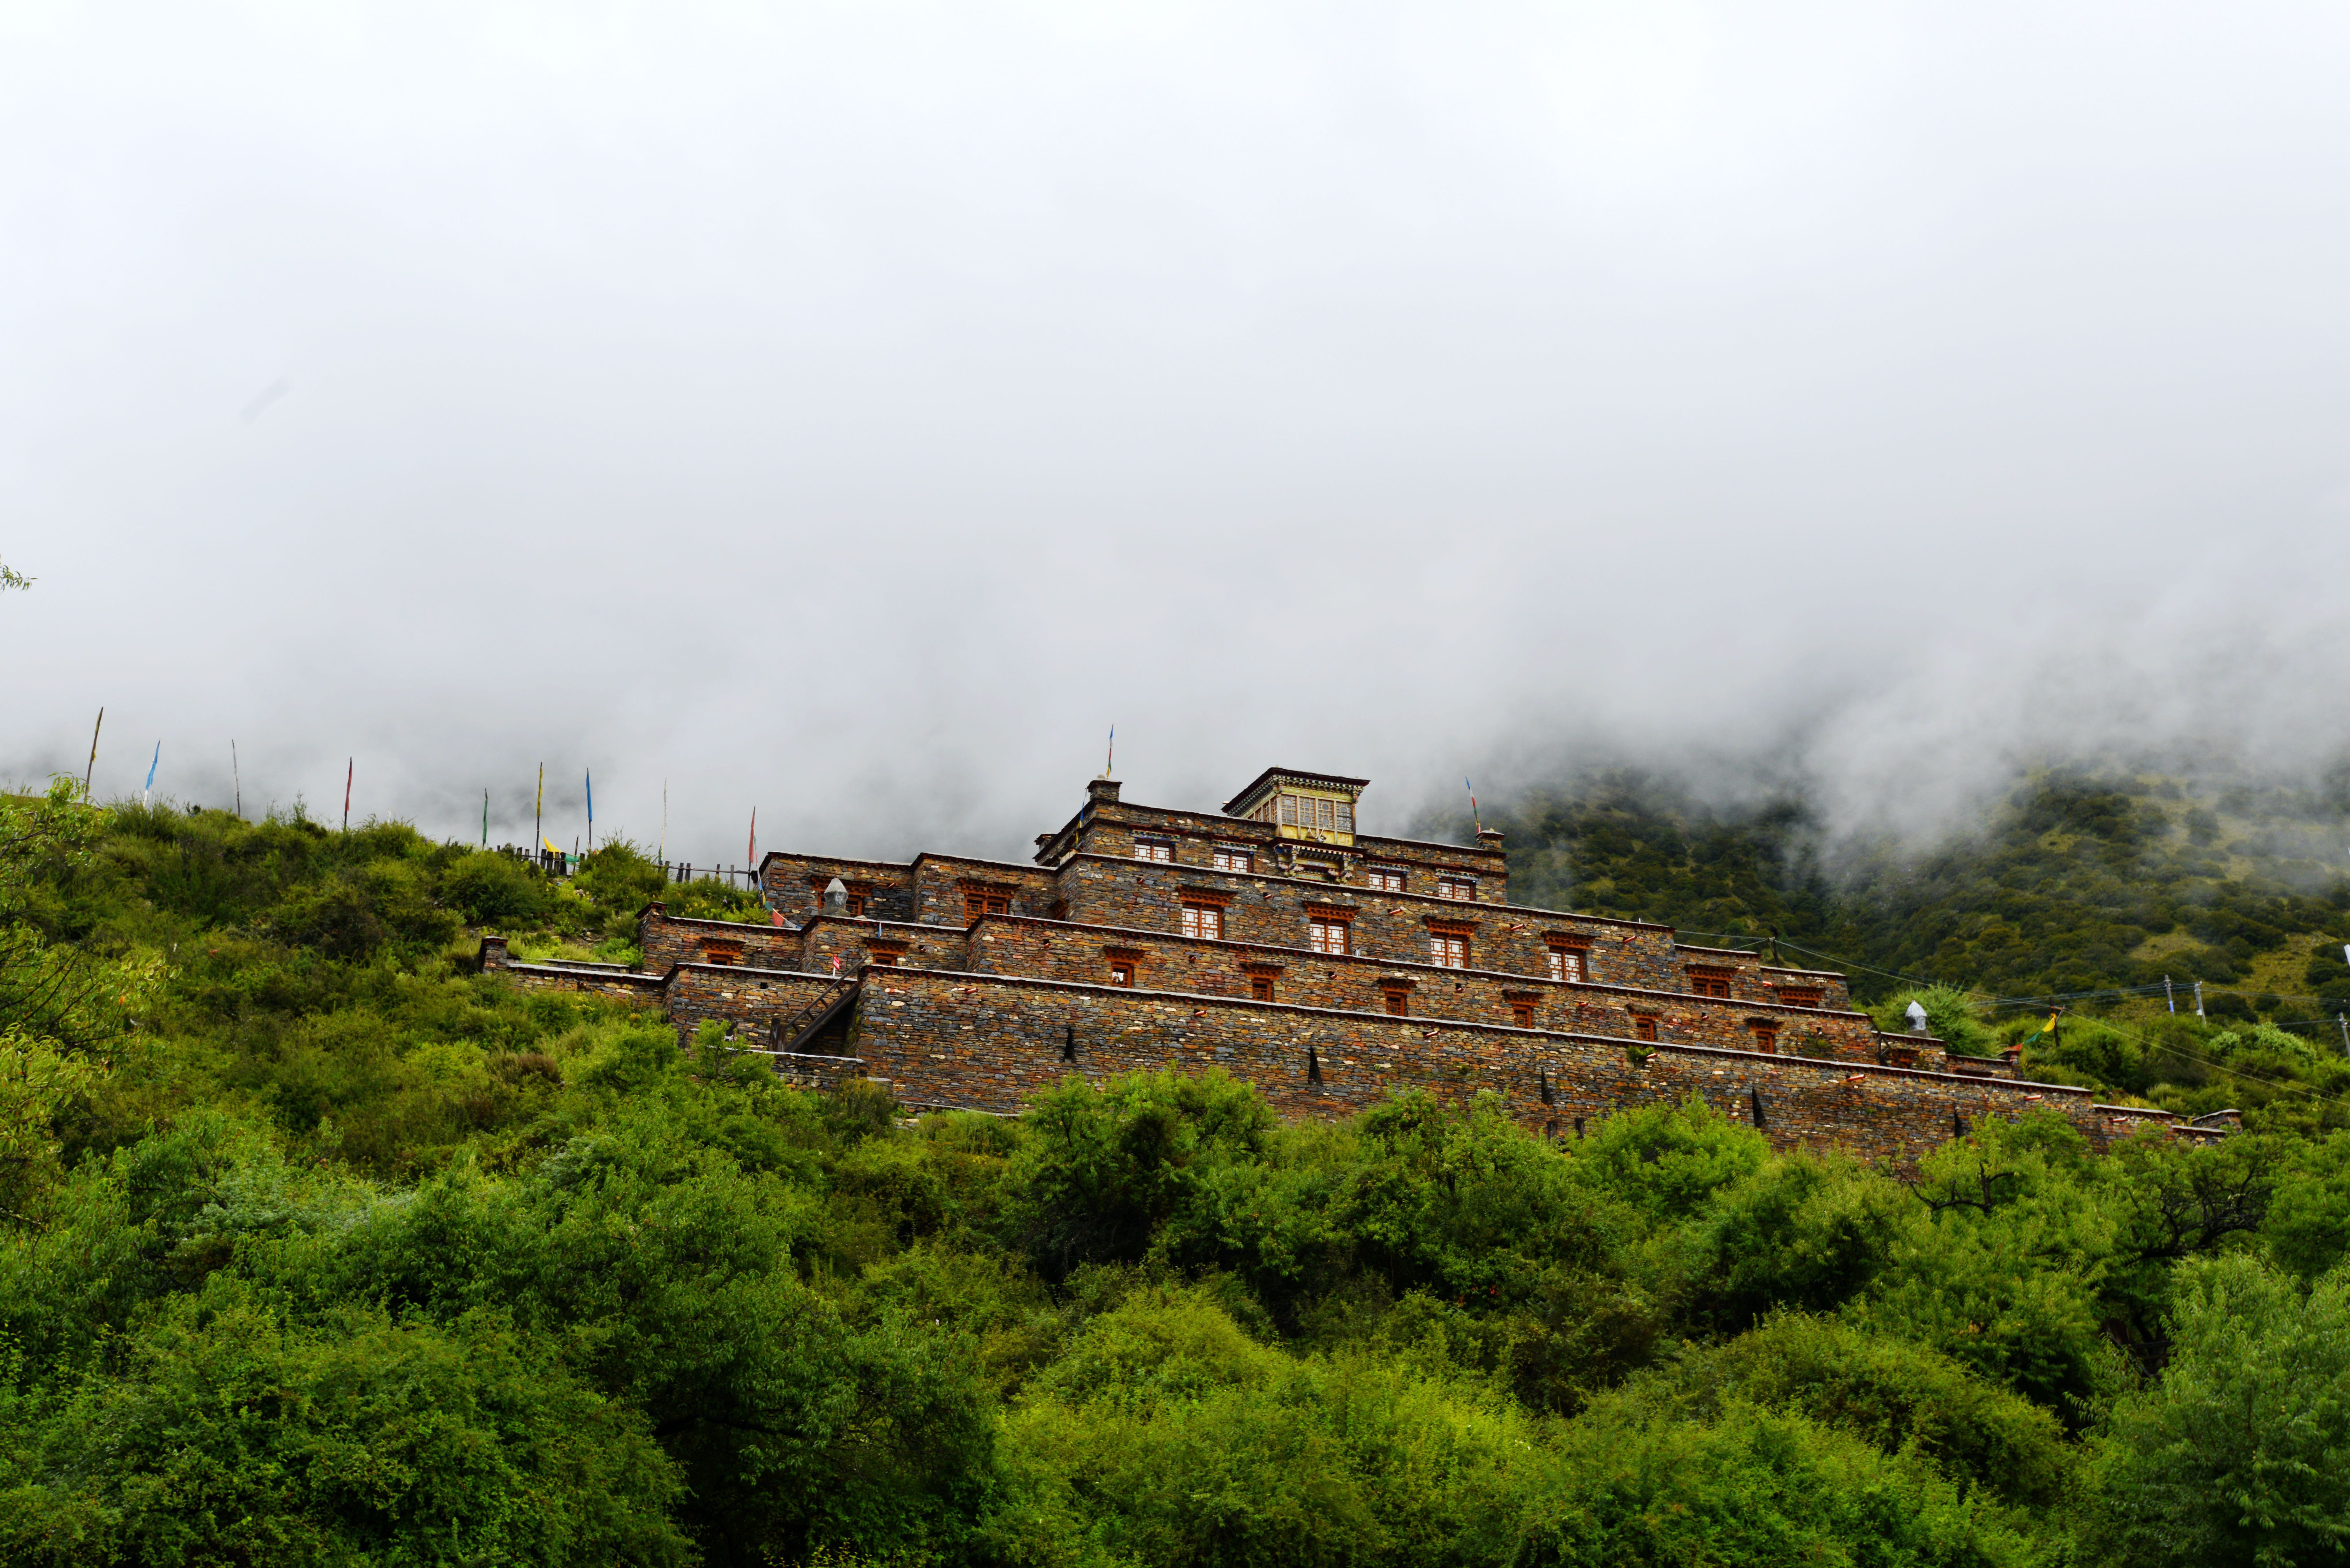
pixel 1328 965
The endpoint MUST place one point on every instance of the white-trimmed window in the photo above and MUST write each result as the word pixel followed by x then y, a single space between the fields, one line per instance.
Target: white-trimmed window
pixel 1386 879
pixel 1233 858
pixel 1448 949
pixel 1566 963
pixel 1327 935
pixel 1153 849
pixel 1204 920
pixel 1462 887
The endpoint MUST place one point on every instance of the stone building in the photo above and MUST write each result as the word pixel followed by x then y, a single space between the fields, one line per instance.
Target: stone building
pixel 1328 965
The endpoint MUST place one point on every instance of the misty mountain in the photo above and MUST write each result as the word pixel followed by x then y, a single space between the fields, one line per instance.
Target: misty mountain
pixel 2075 880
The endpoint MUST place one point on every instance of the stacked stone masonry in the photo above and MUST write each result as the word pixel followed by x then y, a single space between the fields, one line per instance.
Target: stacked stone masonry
pixel 1327 966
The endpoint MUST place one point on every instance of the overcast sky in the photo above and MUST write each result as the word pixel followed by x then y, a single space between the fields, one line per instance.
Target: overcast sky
pixel 852 410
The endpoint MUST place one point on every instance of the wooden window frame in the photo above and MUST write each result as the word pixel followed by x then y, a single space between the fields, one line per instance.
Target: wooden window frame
pixel 1558 950
pixel 1195 914
pixel 1711 981
pixel 1384 879
pixel 1644 1026
pixel 1396 995
pixel 1260 988
pixel 1325 917
pixel 1124 964
pixel 1443 935
pixel 1522 1008
pixel 1812 996
pixel 1149 850
pixel 1223 857
pixel 1765 1032
pixel 1458 889
pixel 886 954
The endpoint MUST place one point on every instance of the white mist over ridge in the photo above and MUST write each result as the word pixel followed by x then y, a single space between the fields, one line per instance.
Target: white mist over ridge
pixel 850 413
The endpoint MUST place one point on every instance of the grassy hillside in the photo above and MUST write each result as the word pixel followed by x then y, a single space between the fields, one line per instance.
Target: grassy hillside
pixel 318 1247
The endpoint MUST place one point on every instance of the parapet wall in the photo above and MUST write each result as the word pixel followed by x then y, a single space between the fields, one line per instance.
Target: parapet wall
pixel 990 1042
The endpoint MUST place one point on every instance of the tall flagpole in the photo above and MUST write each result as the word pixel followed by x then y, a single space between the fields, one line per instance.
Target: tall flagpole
pixel 237 774
pixel 538 815
pixel 662 854
pixel 147 795
pixel 92 769
pixel 350 771
pixel 485 819
pixel 591 811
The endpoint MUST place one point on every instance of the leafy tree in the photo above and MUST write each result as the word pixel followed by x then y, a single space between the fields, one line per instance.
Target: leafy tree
pixel 2240 1452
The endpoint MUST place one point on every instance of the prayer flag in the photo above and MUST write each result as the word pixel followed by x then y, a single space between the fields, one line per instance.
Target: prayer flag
pixel 151 773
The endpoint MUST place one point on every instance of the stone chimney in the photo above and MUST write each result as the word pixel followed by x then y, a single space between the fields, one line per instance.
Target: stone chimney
pixel 1489 838
pixel 1104 791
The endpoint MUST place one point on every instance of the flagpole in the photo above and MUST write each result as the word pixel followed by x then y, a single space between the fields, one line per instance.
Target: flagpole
pixel 591 811
pixel 237 774
pixel 90 771
pixel 350 771
pixel 147 795
pixel 538 812
pixel 485 819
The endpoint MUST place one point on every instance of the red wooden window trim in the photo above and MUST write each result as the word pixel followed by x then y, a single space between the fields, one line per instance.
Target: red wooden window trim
pixel 1156 850
pixel 1463 889
pixel 1766 1037
pixel 1203 919
pixel 1260 988
pixel 1643 1026
pixel 1704 979
pixel 1233 857
pixel 1385 879
pixel 1326 935
pixel 1448 949
pixel 1398 999
pixel 1801 995
pixel 1522 1014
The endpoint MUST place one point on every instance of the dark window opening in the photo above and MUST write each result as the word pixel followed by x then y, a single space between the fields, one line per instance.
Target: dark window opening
pixel 1643 1027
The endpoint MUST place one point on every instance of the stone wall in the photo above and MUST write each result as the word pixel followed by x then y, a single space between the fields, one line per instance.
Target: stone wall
pixel 665 939
pixel 795 884
pixel 750 999
pixel 990 1043
pixel 616 981
pixel 1082 954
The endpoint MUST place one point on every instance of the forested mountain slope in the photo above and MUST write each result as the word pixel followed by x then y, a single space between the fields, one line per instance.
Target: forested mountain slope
pixel 317 1246
pixel 2077 889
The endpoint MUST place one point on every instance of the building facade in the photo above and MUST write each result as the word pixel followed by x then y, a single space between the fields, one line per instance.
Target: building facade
pixel 1329 966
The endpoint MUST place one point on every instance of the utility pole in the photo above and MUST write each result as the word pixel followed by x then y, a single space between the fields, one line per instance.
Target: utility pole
pixel 2343 1020
pixel 2167 999
pixel 2199 999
